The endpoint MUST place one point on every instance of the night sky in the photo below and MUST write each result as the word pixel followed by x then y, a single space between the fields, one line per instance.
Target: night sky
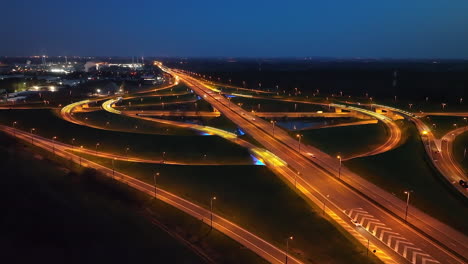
pixel 391 29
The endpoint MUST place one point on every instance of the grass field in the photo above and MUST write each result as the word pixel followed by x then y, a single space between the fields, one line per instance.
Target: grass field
pixel 186 104
pixel 459 146
pixel 177 148
pixel 346 141
pixel 256 199
pixel 53 215
pixel 414 172
pixel 264 105
pixel 157 99
pixel 441 125
pixel 134 125
pixel 417 106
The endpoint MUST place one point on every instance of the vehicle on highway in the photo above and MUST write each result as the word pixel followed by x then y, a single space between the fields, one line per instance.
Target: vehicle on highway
pixel 464 184
pixel 356 223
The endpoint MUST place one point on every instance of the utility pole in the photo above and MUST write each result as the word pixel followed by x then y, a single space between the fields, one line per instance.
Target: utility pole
pixel 287 248
pixel 339 169
pixel 154 178
pixel 32 135
pixel 407 203
pixel 211 211
pixel 14 129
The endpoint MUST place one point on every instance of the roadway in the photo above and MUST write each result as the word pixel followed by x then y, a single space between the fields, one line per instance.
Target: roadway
pixel 393 130
pixel 317 174
pixel 439 151
pixel 446 157
pixel 442 114
pixel 243 236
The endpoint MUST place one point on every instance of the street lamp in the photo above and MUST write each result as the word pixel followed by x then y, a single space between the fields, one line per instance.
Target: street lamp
pixel 299 140
pixel 407 203
pixel 113 168
pixel 295 179
pixel 339 169
pixel 287 248
pixel 32 135
pixel 126 151
pixel 211 211
pixel 53 144
pixel 73 141
pixel 14 130
pixel 273 122
pixel 80 156
pixel 163 157
pixel 97 145
pixel 154 178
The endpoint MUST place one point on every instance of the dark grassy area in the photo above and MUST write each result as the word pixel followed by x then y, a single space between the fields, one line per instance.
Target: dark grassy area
pixel 186 104
pixel 157 99
pixel 125 123
pixel 220 122
pixel 264 105
pixel 178 148
pixel 347 140
pixel 256 199
pixel 459 146
pixel 441 125
pixel 53 215
pixel 429 106
pixel 408 168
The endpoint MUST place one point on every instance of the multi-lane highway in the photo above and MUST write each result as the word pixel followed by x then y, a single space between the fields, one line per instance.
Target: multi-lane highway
pixel 243 236
pixel 439 150
pixel 423 240
pixel 446 153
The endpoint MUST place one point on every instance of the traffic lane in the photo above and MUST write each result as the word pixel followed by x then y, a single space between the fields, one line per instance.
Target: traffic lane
pixel 261 247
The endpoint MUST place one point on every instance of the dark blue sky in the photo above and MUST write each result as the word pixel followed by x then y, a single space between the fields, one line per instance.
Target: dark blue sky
pixel 396 28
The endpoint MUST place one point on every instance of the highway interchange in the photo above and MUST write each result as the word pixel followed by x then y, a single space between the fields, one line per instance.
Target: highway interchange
pixel 365 210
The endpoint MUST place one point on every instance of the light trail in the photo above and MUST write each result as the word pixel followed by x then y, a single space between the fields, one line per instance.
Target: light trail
pixel 350 191
pixel 258 245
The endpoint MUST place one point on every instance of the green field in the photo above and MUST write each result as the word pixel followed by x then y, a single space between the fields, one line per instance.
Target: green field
pixel 177 148
pixel 148 100
pixel 254 198
pixel 182 105
pixel 414 172
pixel 265 105
pixel 418 105
pixel 440 125
pixel 459 146
pixel 53 215
pixel 346 141
pixel 113 121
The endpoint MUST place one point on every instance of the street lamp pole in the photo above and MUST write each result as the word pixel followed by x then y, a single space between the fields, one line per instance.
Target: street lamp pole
pixel 211 211
pixel 53 144
pixel 154 178
pixel 273 122
pixel 299 140
pixel 407 203
pixel 287 248
pixel 32 135
pixel 113 168
pixel 14 129
pixel 97 145
pixel 295 179
pixel 339 169
pixel 80 156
